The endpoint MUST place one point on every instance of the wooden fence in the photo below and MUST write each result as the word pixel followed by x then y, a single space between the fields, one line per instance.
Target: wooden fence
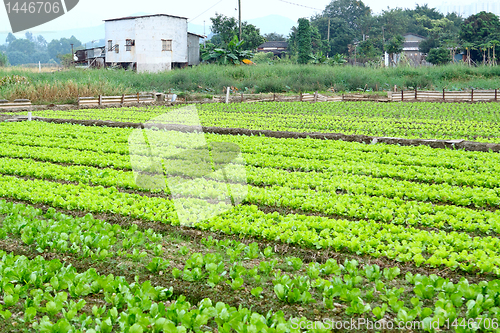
pixel 250 98
pixel 4 104
pixel 123 99
pixel 452 96
pixel 320 98
pixel 409 95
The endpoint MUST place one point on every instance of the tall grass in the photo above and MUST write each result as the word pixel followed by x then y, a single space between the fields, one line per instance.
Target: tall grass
pixel 66 86
pixel 61 87
pixel 59 91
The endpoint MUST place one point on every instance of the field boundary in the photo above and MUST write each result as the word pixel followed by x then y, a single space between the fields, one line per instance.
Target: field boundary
pixel 123 99
pixel 302 97
pixel 449 96
pixel 472 96
pixel 433 143
pixel 16 104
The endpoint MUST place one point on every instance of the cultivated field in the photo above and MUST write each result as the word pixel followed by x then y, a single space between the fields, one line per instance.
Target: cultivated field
pixel 475 122
pixel 329 235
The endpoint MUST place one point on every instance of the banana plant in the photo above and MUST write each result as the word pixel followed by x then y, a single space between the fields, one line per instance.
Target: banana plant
pixel 337 60
pixel 318 58
pixel 232 54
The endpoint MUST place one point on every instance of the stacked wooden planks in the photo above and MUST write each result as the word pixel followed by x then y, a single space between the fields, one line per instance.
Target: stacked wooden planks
pixel 123 99
pixel 450 96
pixel 5 104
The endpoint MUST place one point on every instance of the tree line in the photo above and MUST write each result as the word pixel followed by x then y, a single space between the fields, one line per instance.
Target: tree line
pixel 349 29
pixel 34 49
pixel 346 29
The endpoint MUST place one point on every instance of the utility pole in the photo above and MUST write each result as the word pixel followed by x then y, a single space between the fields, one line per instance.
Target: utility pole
pixel 204 34
pixel 328 38
pixel 239 9
pixel 72 55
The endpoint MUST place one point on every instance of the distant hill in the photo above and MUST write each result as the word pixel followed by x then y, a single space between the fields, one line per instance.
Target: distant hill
pixel 85 35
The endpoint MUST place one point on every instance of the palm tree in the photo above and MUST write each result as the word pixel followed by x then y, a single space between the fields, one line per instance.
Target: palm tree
pixel 483 47
pixel 494 44
pixel 488 45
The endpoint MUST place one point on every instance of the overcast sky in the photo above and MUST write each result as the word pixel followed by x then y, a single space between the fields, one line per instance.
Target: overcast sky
pixel 91 12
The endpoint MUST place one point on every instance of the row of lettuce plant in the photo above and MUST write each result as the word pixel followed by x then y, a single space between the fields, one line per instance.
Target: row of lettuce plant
pixel 353 205
pixel 326 149
pixel 323 182
pixel 323 149
pixel 308 160
pixel 415 121
pixel 409 173
pixel 81 237
pixel 401 242
pixel 333 281
pixel 52 297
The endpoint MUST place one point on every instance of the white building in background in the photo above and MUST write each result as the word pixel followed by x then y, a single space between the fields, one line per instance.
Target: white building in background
pixel 411 49
pixel 151 43
pixel 411 53
pixel 467 9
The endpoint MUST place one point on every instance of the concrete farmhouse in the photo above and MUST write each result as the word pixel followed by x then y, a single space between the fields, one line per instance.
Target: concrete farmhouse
pixel 151 43
pixel 278 48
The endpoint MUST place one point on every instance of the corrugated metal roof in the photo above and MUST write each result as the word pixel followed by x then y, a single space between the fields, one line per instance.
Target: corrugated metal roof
pixel 410 44
pixel 136 17
pixel 201 36
pixel 273 44
pixel 412 34
pixel 96 47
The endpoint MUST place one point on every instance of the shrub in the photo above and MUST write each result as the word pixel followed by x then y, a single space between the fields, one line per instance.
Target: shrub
pixel 439 56
pixel 4 60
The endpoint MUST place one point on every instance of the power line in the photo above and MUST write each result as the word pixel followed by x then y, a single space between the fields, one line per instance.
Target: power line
pixel 296 4
pixel 205 11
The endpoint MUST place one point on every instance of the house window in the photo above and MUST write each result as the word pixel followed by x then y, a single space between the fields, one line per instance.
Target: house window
pixel 128 45
pixel 166 45
pixel 110 45
pixel 117 48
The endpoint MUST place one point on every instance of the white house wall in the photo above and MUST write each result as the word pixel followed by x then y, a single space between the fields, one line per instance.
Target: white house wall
pixel 151 30
pixel 151 64
pixel 148 33
pixel 118 32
